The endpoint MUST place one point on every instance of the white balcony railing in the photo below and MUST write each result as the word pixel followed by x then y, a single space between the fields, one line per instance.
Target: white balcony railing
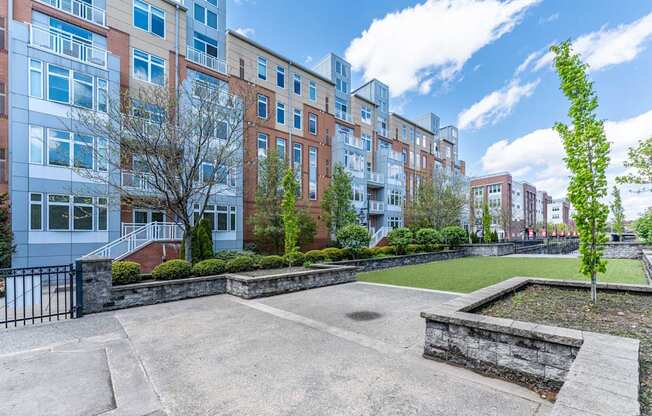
pixel 393 154
pixel 378 235
pixel 396 180
pixel 343 115
pixel 63 44
pixel 134 180
pixel 376 206
pixel 376 177
pixel 353 141
pixel 80 9
pixel 205 59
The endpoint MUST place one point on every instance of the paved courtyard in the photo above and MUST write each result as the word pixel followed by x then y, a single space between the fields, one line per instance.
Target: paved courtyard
pixel 352 349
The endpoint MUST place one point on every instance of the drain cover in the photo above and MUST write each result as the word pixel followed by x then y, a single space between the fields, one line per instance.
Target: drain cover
pixel 364 315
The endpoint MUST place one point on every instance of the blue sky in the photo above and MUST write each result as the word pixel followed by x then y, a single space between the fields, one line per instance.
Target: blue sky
pixel 460 60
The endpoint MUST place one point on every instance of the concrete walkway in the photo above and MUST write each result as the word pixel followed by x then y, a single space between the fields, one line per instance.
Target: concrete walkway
pixel 352 349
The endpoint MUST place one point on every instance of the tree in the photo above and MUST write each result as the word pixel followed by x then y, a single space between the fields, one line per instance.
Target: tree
pixel 290 218
pixel 587 158
pixel 486 224
pixel 643 227
pixel 618 213
pixel 169 149
pixel 353 236
pixel 504 216
pixel 640 160
pixel 337 206
pixel 267 221
pixel 201 242
pixel 7 246
pixel 439 201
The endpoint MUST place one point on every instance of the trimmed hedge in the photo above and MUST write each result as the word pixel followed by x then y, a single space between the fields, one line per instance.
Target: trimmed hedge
pixel 428 236
pixel 172 269
pixel 314 256
pixel 453 235
pixel 271 262
pixel 240 264
pixel 295 259
pixel 400 239
pixel 333 253
pixel 210 267
pixel 125 272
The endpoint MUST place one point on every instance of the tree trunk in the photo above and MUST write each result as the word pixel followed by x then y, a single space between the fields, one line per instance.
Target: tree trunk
pixel 187 243
pixel 594 288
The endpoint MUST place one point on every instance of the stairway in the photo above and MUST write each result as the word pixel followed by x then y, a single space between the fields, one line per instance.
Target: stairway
pixel 138 238
pixel 378 236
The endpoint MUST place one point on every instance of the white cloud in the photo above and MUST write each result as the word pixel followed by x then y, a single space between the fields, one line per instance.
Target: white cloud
pixel 405 47
pixel 549 19
pixel 606 47
pixel 526 63
pixel 308 59
pixel 538 158
pixel 495 105
pixel 246 31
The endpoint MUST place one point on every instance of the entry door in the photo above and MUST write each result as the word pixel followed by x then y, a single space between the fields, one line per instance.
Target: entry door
pixel 140 216
pixel 158 217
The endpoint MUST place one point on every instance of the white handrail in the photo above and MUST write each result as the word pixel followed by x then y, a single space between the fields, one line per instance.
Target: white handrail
pixel 62 43
pixel 129 243
pixel 80 9
pixel 204 59
pixel 378 235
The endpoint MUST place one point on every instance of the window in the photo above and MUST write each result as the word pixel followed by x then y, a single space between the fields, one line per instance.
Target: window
pixel 102 215
pixel 312 91
pixel 3 33
pixel 36 145
pixel 205 44
pixel 358 193
pixel 366 142
pixel 233 218
pixel 394 222
pixel 312 173
pixel 221 213
pixel 341 85
pixel 262 106
pixel 365 114
pixel 82 213
pixel 82 90
pixel 58 84
pixel 36 211
pixel 262 145
pixel 297 158
pixel 280 113
pixel 205 16
pixel 280 147
pixel 149 18
pixel 297 84
pixel 83 152
pixel 35 78
pixel 341 107
pixel 58 147
pixel 102 95
pixel 58 212
pixel 297 119
pixel 424 162
pixel 280 76
pixel 262 68
pixel 395 197
pixel 312 123
pixel 148 67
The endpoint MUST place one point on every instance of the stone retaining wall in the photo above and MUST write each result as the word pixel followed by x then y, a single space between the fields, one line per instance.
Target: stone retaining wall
pixel 582 364
pixel 623 250
pixel 552 247
pixel 494 249
pixel 376 263
pixel 647 265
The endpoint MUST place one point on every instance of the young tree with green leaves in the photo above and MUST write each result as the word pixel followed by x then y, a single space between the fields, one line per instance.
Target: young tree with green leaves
pixel 640 161
pixel 267 220
pixel 7 246
pixel 618 212
pixel 486 224
pixel 337 206
pixel 290 217
pixel 587 158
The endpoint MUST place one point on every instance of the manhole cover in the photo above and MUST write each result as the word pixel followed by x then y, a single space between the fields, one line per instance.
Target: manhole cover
pixel 364 315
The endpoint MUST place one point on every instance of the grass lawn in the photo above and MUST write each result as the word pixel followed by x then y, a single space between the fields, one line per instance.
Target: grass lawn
pixel 472 273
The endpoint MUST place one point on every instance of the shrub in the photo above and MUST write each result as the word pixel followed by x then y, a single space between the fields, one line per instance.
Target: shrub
pixel 125 272
pixel 364 253
pixel 412 248
pixel 453 235
pixel 643 227
pixel 314 256
pixel 172 269
pixel 227 255
pixel 333 253
pixel 271 262
pixel 428 237
pixel 201 242
pixel 240 264
pixel 400 238
pixel 353 236
pixel 294 259
pixel 210 267
pixel 387 250
pixel 494 236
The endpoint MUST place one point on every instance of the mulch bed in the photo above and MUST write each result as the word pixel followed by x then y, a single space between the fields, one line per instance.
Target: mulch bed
pixel 616 313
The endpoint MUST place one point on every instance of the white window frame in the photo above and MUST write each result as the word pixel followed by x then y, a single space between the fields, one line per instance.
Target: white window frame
pixel 151 11
pixel 313 173
pixel 296 78
pixel 294 119
pixel 59 76
pixel 280 107
pixel 312 91
pixel 280 70
pixel 39 70
pixel 102 203
pixel 40 135
pixel 66 204
pixel 38 203
pixel 258 147
pixel 312 119
pixel 365 114
pixel 262 65
pixel 150 63
pixel 84 205
pixel 264 100
pixel 75 79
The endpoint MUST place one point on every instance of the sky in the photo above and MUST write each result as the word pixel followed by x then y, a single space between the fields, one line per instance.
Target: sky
pixel 484 66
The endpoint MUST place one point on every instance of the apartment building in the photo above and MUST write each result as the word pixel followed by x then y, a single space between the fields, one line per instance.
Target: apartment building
pixel 559 212
pixel 542 210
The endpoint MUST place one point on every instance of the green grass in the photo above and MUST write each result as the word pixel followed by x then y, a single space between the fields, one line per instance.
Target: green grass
pixel 472 273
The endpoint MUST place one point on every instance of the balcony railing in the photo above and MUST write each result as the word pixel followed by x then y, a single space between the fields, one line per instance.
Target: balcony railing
pixel 376 206
pixel 396 180
pixel 342 115
pixel 392 154
pixel 352 141
pixel 63 44
pixel 79 9
pixel 134 180
pixel 376 177
pixel 206 60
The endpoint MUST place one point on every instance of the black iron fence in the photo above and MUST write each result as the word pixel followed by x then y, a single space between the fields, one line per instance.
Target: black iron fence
pixel 39 294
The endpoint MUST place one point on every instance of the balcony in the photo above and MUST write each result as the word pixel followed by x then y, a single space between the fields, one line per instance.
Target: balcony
pixel 205 60
pixel 351 141
pixel 375 178
pixel 344 116
pixel 62 43
pixel 79 9
pixel 392 154
pixel 396 180
pixel 376 207
pixel 138 181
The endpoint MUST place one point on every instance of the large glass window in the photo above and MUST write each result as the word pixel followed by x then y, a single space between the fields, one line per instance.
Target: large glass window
pixel 233 219
pixel 35 78
pixel 59 147
pixel 312 123
pixel 280 147
pixel 312 91
pixel 82 213
pixel 102 95
pixel 205 16
pixel 365 114
pixel 297 159
pixel 205 44
pixel 82 90
pixel 83 152
pixel 280 113
pixel 366 142
pixel 58 212
pixel 262 106
pixel 149 18
pixel 280 76
pixel 296 84
pixel 102 214
pixel 262 145
pixel 148 67
pixel 297 118
pixel 58 84
pixel 222 218
pixel 312 173
pixel 36 145
pixel 36 211
pixel 262 68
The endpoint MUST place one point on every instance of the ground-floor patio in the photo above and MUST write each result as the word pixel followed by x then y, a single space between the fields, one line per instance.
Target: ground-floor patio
pixel 353 349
